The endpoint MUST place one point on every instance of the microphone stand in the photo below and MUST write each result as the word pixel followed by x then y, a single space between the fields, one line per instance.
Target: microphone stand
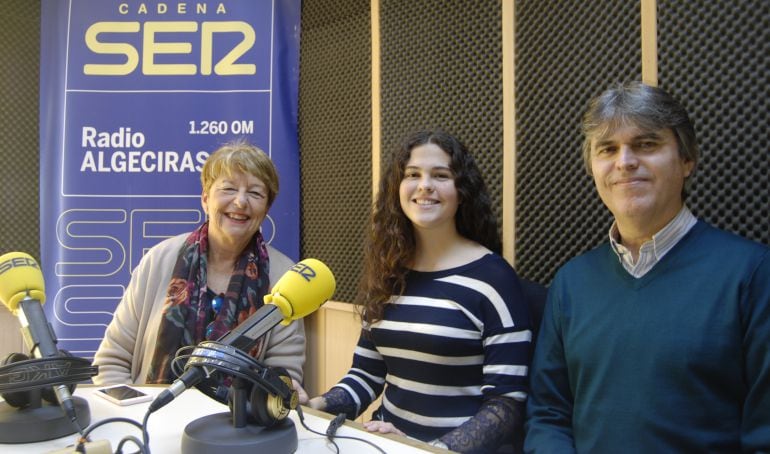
pixel 41 420
pixel 239 389
pixel 233 433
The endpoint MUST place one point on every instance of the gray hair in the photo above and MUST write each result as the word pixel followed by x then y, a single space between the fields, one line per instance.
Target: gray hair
pixel 644 106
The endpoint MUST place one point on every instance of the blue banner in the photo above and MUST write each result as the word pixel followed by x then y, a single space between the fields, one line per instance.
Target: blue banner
pixel 133 98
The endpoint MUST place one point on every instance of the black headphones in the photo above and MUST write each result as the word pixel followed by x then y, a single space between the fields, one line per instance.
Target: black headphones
pixel 269 407
pixel 267 391
pixel 24 380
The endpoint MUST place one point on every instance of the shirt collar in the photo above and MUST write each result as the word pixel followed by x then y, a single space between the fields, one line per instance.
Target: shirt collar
pixel 661 242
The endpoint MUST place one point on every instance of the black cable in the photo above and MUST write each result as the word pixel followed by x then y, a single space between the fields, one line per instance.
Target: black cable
pixel 335 425
pixel 132 439
pixel 363 440
pixel 79 428
pixel 144 448
pixel 302 421
pixel 145 432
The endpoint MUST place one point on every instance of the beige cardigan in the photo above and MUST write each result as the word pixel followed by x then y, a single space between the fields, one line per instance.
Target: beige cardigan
pixel 125 353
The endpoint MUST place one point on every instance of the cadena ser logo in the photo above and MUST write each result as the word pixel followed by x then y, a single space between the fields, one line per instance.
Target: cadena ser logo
pixel 17 262
pixel 304 270
pixel 120 48
pixel 99 41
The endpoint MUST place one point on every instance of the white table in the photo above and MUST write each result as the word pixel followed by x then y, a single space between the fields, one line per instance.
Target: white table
pixel 167 425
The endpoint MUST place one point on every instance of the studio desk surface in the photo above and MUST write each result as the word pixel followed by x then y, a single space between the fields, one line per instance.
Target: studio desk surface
pixel 167 425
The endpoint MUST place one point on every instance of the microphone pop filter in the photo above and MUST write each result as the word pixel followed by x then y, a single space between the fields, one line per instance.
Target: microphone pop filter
pixel 302 289
pixel 20 277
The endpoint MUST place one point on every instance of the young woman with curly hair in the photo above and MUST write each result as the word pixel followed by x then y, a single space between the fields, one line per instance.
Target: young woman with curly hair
pixel 446 333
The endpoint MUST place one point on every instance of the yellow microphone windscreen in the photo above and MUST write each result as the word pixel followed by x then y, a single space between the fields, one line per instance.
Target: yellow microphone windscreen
pixel 20 276
pixel 302 289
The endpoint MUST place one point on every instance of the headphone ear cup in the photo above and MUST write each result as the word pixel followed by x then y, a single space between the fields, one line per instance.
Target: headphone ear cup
pixel 257 406
pixel 259 403
pixel 18 399
pixel 283 374
pixel 269 409
pixel 48 393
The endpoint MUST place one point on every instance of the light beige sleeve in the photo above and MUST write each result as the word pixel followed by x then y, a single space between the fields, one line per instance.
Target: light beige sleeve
pixel 129 341
pixel 115 355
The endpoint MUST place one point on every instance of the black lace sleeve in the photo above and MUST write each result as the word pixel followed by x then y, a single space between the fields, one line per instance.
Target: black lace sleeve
pixel 494 425
pixel 339 401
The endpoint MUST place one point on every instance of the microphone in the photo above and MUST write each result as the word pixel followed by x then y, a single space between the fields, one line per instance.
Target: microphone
pixel 299 292
pixel 22 291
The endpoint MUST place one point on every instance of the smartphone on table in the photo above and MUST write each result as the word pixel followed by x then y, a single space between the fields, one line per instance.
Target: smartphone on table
pixel 123 395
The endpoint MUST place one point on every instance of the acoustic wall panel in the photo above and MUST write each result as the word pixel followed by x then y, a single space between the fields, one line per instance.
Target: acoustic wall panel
pixel 567 52
pixel 714 57
pixel 335 136
pixel 19 138
pixel 442 67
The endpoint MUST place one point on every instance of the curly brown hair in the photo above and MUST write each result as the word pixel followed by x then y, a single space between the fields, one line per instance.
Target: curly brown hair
pixel 390 242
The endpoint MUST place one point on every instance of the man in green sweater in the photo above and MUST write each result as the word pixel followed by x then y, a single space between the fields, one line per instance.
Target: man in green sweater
pixel 659 340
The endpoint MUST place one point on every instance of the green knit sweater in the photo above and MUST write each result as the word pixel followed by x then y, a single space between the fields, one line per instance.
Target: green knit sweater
pixel 675 361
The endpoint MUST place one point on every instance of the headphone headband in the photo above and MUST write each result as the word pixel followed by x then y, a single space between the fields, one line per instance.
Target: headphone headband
pixel 36 373
pixel 271 395
pixel 232 361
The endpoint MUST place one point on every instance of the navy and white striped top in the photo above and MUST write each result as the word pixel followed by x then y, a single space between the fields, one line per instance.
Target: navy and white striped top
pixel 454 337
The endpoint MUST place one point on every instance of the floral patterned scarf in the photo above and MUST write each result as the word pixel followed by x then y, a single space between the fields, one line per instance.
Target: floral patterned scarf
pixel 188 317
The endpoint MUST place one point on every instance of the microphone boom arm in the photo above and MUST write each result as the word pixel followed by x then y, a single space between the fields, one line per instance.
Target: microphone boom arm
pixel 245 336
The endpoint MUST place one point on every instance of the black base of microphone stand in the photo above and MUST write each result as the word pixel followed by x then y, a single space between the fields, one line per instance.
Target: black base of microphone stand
pixel 216 433
pixel 46 422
